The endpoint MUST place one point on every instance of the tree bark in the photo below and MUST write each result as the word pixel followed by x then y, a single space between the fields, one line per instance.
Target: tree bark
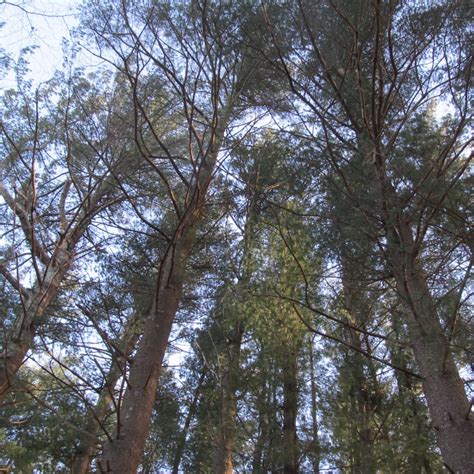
pixel 96 415
pixel 448 405
pixel 315 451
pixel 123 453
pixel 444 389
pixel 19 340
pixel 290 407
pixel 228 406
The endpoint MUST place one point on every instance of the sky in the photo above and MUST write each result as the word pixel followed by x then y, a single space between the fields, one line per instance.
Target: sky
pixel 43 23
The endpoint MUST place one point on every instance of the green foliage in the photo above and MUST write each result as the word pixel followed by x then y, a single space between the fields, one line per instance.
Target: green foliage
pixel 41 420
pixel 335 106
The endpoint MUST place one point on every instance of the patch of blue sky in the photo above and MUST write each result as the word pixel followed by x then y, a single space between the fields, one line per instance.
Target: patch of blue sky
pixel 47 26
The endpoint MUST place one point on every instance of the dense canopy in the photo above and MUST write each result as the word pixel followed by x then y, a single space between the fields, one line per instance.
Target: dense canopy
pixel 242 242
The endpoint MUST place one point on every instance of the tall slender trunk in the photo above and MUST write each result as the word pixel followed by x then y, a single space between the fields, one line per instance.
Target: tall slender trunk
pixel 290 407
pixel 88 443
pixel 315 451
pixel 356 304
pixel 223 463
pixel 257 461
pixel 184 433
pixel 263 407
pixel 230 365
pixel 258 464
pixel 270 456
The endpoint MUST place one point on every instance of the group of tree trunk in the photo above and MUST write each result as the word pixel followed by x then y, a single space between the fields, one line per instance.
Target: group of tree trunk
pixel 243 243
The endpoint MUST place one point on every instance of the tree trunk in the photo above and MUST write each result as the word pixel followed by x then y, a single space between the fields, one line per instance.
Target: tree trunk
pixel 356 306
pixel 19 341
pixel 12 359
pixel 231 356
pixel 270 456
pixel 184 433
pixel 56 266
pixel 258 464
pixel 123 454
pixel 290 407
pixel 315 451
pixel 443 387
pixel 97 415
pixel 228 406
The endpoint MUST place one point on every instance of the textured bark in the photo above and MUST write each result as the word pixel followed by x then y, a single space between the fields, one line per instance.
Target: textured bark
pixel 123 454
pixel 447 402
pixel 443 387
pixel 290 407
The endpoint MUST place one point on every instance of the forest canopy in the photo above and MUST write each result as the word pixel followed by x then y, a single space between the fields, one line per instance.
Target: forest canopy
pixel 242 242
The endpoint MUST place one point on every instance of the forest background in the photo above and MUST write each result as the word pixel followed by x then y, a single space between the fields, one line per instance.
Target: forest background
pixel 241 241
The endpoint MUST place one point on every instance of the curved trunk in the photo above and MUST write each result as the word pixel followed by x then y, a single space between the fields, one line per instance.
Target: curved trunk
pixel 447 402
